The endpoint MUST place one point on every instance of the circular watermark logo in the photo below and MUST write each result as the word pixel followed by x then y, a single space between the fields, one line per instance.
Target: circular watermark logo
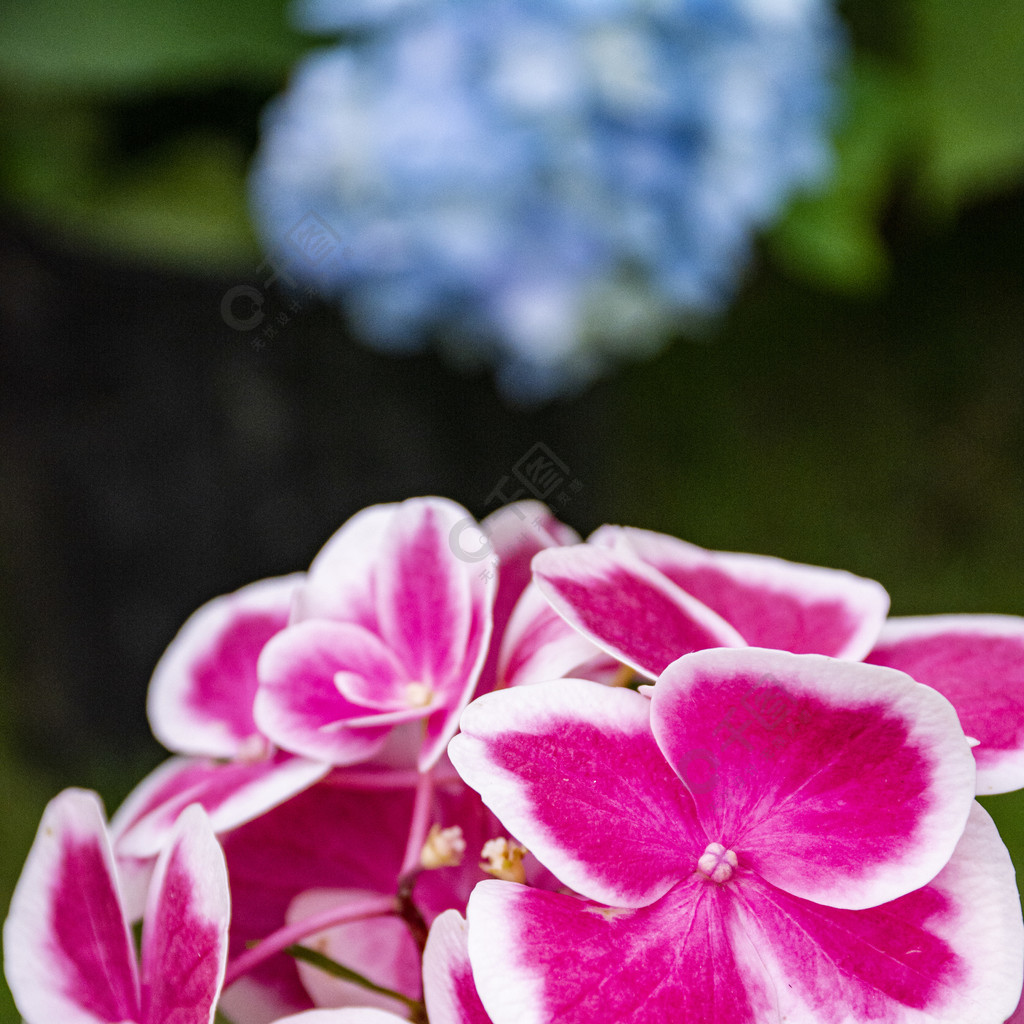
pixel 255 301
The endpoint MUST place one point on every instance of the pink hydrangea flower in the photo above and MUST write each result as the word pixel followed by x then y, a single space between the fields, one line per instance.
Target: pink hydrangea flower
pixel 782 828
pixel 390 629
pixel 200 705
pixel 647 598
pixel 821 861
pixel 68 951
pixel 201 699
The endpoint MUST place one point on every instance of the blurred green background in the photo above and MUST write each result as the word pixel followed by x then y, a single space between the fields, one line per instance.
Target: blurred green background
pixel 859 406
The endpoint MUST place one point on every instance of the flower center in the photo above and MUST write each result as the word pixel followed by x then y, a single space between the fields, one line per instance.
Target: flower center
pixel 717 863
pixel 418 695
pixel 443 847
pixel 253 748
pixel 504 859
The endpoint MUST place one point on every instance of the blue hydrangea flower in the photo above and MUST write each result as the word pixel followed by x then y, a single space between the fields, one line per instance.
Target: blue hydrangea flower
pixel 549 182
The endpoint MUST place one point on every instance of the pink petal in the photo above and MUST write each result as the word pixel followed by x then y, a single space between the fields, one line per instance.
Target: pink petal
pixel 541 957
pixel 340 581
pixel 429 606
pixel 951 952
pixel 68 953
pixel 977 663
pixel 627 608
pixel 550 757
pixel 184 938
pixel 443 724
pixel 788 606
pixel 449 989
pixel 425 593
pixel 843 783
pixel 380 948
pixel 516 532
pixel 540 645
pixel 448 639
pixel 200 699
pixel 299 706
pixel 373 678
pixel 231 794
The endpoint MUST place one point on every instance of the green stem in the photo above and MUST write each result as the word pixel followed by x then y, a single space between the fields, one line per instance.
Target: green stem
pixel 332 967
pixel 409 912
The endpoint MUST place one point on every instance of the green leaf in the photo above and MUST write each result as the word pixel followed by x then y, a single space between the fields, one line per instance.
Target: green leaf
pixel 181 204
pixel 947 118
pixel 969 68
pixel 116 46
pixel 831 236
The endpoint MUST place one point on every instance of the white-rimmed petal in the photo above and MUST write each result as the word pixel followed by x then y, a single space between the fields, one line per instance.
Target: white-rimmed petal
pixel 516 533
pixel 448 986
pixel 949 953
pixel 572 771
pixel 839 782
pixel 200 698
pixel 627 608
pixel 231 793
pixel 185 932
pixel 788 606
pixel 339 584
pixel 539 644
pixel 541 957
pixel 68 953
pixel 977 663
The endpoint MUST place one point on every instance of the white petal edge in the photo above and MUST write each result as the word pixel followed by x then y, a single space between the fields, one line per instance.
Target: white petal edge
pixel 172 723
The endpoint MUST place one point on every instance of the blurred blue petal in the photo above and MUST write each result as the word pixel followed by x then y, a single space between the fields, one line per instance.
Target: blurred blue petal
pixel 548 182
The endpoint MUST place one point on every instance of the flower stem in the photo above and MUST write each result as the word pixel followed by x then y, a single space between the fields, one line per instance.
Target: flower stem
pixel 276 942
pixel 410 913
pixel 336 970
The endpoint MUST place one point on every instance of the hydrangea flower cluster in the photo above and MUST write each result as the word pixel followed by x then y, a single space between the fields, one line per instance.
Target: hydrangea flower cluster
pixel 466 773
pixel 551 181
